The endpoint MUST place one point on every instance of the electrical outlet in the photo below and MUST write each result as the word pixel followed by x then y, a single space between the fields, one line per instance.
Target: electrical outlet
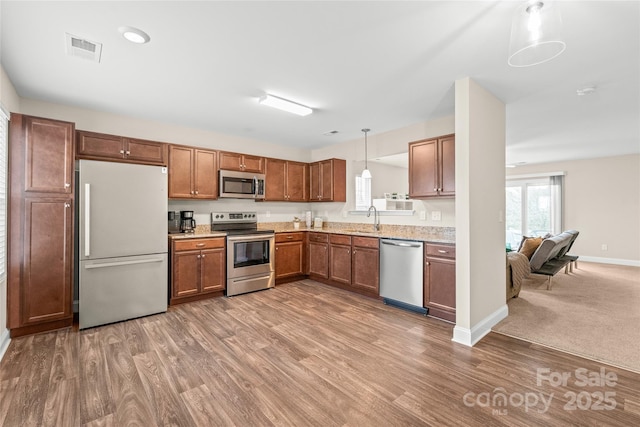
pixel 423 215
pixel 436 215
pixel 604 247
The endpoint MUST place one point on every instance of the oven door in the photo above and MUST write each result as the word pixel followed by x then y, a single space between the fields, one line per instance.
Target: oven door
pixel 248 255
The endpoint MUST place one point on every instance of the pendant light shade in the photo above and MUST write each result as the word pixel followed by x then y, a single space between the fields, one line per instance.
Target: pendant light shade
pixel 536 33
pixel 365 173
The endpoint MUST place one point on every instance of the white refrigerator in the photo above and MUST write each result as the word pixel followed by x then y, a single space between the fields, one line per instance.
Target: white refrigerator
pixel 122 241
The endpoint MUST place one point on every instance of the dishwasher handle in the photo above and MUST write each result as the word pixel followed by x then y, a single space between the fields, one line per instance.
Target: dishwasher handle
pixel 403 244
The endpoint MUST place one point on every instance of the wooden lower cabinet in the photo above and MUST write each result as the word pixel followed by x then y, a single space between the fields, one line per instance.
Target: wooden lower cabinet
pixel 440 281
pixel 290 259
pixel 340 259
pixel 318 255
pixel 365 264
pixel 197 269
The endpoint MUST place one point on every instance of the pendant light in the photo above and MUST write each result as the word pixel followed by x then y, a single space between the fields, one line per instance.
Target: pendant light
pixel 536 33
pixel 365 173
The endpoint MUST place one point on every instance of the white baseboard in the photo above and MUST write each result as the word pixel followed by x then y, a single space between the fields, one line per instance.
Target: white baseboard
pixel 4 342
pixel 617 261
pixel 470 337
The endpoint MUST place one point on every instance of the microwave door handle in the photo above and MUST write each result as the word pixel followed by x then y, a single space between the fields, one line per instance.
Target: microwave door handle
pixel 255 187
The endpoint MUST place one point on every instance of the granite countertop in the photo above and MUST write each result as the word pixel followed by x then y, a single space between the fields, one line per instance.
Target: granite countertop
pixel 407 232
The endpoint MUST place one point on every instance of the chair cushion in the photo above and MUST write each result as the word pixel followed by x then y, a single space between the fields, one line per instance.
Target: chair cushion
pixel 529 246
pixel 549 249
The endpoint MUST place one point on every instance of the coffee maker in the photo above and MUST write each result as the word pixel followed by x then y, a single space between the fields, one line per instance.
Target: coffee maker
pixel 174 222
pixel 187 223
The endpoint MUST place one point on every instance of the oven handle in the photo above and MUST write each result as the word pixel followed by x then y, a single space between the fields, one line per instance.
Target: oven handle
pixel 250 238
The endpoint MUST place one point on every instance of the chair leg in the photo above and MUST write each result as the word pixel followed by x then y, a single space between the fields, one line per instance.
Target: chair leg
pixel 549 283
pixel 566 269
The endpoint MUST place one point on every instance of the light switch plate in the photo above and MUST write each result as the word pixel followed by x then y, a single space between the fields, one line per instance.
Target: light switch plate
pixel 436 215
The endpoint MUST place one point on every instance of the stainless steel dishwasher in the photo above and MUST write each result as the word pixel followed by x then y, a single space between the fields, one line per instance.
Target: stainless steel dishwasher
pixel 401 273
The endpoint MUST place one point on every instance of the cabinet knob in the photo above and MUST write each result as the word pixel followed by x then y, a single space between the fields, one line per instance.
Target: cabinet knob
pixel 200 244
pixel 67 185
pixel 121 151
pixel 67 205
pixel 196 191
pixel 276 248
pixel 435 189
pixel 128 152
pixel 192 192
pixel 198 256
pixel 203 255
pixel 443 252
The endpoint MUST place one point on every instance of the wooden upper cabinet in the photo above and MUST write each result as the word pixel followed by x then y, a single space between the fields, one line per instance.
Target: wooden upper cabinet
pixel 327 181
pixel 241 162
pixel 286 181
pixel 99 146
pixel 48 148
pixel 432 168
pixel 192 173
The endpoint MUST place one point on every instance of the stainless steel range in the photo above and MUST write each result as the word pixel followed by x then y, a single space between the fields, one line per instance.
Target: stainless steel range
pixel 250 252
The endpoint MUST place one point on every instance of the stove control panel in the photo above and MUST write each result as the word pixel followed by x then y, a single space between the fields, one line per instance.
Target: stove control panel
pixel 234 217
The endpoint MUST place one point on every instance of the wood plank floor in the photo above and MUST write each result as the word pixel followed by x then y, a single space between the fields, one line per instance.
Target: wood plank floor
pixel 302 354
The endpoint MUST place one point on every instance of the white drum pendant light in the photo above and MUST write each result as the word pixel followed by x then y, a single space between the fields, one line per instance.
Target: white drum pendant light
pixel 365 173
pixel 536 33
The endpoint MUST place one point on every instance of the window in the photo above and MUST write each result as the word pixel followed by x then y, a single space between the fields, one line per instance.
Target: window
pixel 533 207
pixel 363 193
pixel 4 122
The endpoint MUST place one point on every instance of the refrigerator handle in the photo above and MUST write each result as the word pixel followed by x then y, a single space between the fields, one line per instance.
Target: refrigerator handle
pixel 87 219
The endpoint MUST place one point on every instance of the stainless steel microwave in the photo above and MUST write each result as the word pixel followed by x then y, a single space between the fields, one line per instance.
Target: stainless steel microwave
pixel 240 185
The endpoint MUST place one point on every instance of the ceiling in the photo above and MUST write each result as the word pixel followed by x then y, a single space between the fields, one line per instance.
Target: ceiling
pixel 381 65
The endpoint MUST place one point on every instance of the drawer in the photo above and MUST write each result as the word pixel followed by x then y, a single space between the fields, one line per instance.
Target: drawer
pixel 318 237
pixel 366 242
pixel 196 244
pixel 340 239
pixel 442 251
pixel 289 237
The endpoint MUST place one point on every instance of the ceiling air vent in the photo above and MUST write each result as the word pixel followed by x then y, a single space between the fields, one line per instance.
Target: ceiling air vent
pixel 81 48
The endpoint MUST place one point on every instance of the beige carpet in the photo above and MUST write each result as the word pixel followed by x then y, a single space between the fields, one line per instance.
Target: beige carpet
pixel 593 312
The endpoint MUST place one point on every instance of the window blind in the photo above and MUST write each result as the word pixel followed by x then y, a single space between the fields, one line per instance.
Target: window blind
pixel 4 129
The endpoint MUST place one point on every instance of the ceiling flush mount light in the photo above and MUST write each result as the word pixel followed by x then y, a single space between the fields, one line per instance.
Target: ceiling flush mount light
pixel 365 173
pixel 285 105
pixel 134 35
pixel 536 34
pixel 583 91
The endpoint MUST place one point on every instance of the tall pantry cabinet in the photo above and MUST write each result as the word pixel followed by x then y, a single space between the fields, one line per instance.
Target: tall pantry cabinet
pixel 40 224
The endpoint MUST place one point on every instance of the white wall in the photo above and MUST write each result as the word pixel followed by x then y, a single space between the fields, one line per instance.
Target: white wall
pixel 380 145
pixel 98 121
pixel 480 201
pixel 602 202
pixel 9 101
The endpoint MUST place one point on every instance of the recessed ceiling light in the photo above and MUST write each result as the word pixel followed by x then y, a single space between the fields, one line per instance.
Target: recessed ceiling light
pixel 134 35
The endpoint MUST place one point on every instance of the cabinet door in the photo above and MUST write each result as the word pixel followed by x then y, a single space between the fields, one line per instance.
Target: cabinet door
pixel 275 180
pixel 230 161
pixel 48 246
pixel 340 264
pixel 326 181
pixel 289 259
pixel 440 288
pixel 252 163
pixel 146 152
pixel 213 275
pixel 423 169
pixel 318 259
pixel 314 182
pixel 180 172
pixel 205 175
pixel 366 269
pixel 297 182
pixel 99 146
pixel 49 156
pixel 447 163
pixel 186 273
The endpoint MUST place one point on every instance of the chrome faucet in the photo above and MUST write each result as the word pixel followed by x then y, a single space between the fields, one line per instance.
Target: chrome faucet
pixel 376 217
